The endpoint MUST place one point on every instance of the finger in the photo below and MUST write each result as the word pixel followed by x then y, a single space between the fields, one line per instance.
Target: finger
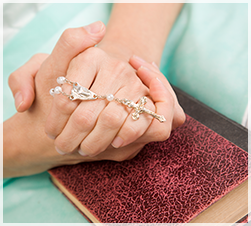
pixel 72 42
pixel 119 154
pixel 62 109
pixel 179 115
pixel 131 129
pixel 84 118
pixel 136 62
pixel 109 123
pixel 22 83
pixel 112 118
pixel 164 103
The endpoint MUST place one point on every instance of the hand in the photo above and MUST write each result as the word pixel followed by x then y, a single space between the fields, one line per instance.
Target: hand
pixel 147 72
pixel 22 82
pixel 94 124
pixel 128 134
pixel 158 135
pixel 89 127
pixel 27 149
pixel 139 64
pixel 163 96
pixel 165 100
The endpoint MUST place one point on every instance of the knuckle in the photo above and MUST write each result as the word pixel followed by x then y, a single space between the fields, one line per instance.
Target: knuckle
pixel 122 64
pixel 111 119
pixel 39 57
pixel 131 132
pixel 162 135
pixel 49 129
pixel 138 87
pixel 12 78
pixel 121 67
pixel 93 51
pixel 64 105
pixel 75 62
pixel 170 100
pixel 72 37
pixel 181 118
pixel 90 151
pixel 127 155
pixel 120 158
pixel 84 120
pixel 63 145
pixel 136 152
pixel 90 55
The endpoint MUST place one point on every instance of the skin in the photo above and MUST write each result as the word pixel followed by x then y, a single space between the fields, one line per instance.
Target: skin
pixel 31 151
pixel 109 70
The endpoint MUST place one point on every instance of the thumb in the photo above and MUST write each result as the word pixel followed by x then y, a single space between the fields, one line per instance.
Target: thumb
pixel 21 82
pixel 72 42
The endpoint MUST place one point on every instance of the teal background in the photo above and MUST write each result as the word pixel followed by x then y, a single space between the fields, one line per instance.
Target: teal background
pixel 205 55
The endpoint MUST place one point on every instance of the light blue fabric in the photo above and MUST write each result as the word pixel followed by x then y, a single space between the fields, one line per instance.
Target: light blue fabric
pixel 205 55
pixel 41 35
pixel 34 199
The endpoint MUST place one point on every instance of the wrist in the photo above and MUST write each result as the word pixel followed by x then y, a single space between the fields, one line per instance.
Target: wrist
pixel 23 144
pixel 11 142
pixel 124 48
pixel 117 49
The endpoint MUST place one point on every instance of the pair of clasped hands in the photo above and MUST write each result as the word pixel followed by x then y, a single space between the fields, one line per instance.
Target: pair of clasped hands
pixel 54 131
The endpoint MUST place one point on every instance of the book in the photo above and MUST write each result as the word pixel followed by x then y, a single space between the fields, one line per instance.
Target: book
pixel 194 176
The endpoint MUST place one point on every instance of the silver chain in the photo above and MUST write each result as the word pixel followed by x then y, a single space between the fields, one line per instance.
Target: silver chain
pixel 79 92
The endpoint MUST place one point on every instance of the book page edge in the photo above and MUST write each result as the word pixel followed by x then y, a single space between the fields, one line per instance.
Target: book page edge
pixel 75 201
pixel 211 212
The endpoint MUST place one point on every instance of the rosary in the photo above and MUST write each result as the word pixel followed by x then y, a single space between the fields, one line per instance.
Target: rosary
pixel 79 92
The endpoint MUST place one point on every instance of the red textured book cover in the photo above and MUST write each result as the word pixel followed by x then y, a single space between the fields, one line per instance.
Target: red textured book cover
pixel 167 182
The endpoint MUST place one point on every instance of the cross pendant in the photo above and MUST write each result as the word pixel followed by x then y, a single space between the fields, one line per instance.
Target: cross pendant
pixel 140 108
pixel 79 92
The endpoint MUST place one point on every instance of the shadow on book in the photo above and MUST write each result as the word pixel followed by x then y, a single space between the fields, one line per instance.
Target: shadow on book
pixel 195 176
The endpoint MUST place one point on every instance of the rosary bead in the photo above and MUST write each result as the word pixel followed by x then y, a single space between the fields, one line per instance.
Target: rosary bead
pixel 52 92
pixel 57 90
pixel 61 80
pixel 79 92
pixel 110 97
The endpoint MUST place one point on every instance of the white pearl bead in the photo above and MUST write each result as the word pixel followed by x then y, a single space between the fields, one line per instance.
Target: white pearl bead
pixel 110 97
pixel 61 80
pixel 57 90
pixel 52 92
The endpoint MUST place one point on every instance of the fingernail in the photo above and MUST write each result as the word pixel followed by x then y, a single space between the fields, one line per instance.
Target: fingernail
pixel 82 153
pixel 94 28
pixel 59 151
pixel 139 59
pixel 117 142
pixel 50 136
pixel 18 100
pixel 160 81
pixel 145 68
pixel 155 65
